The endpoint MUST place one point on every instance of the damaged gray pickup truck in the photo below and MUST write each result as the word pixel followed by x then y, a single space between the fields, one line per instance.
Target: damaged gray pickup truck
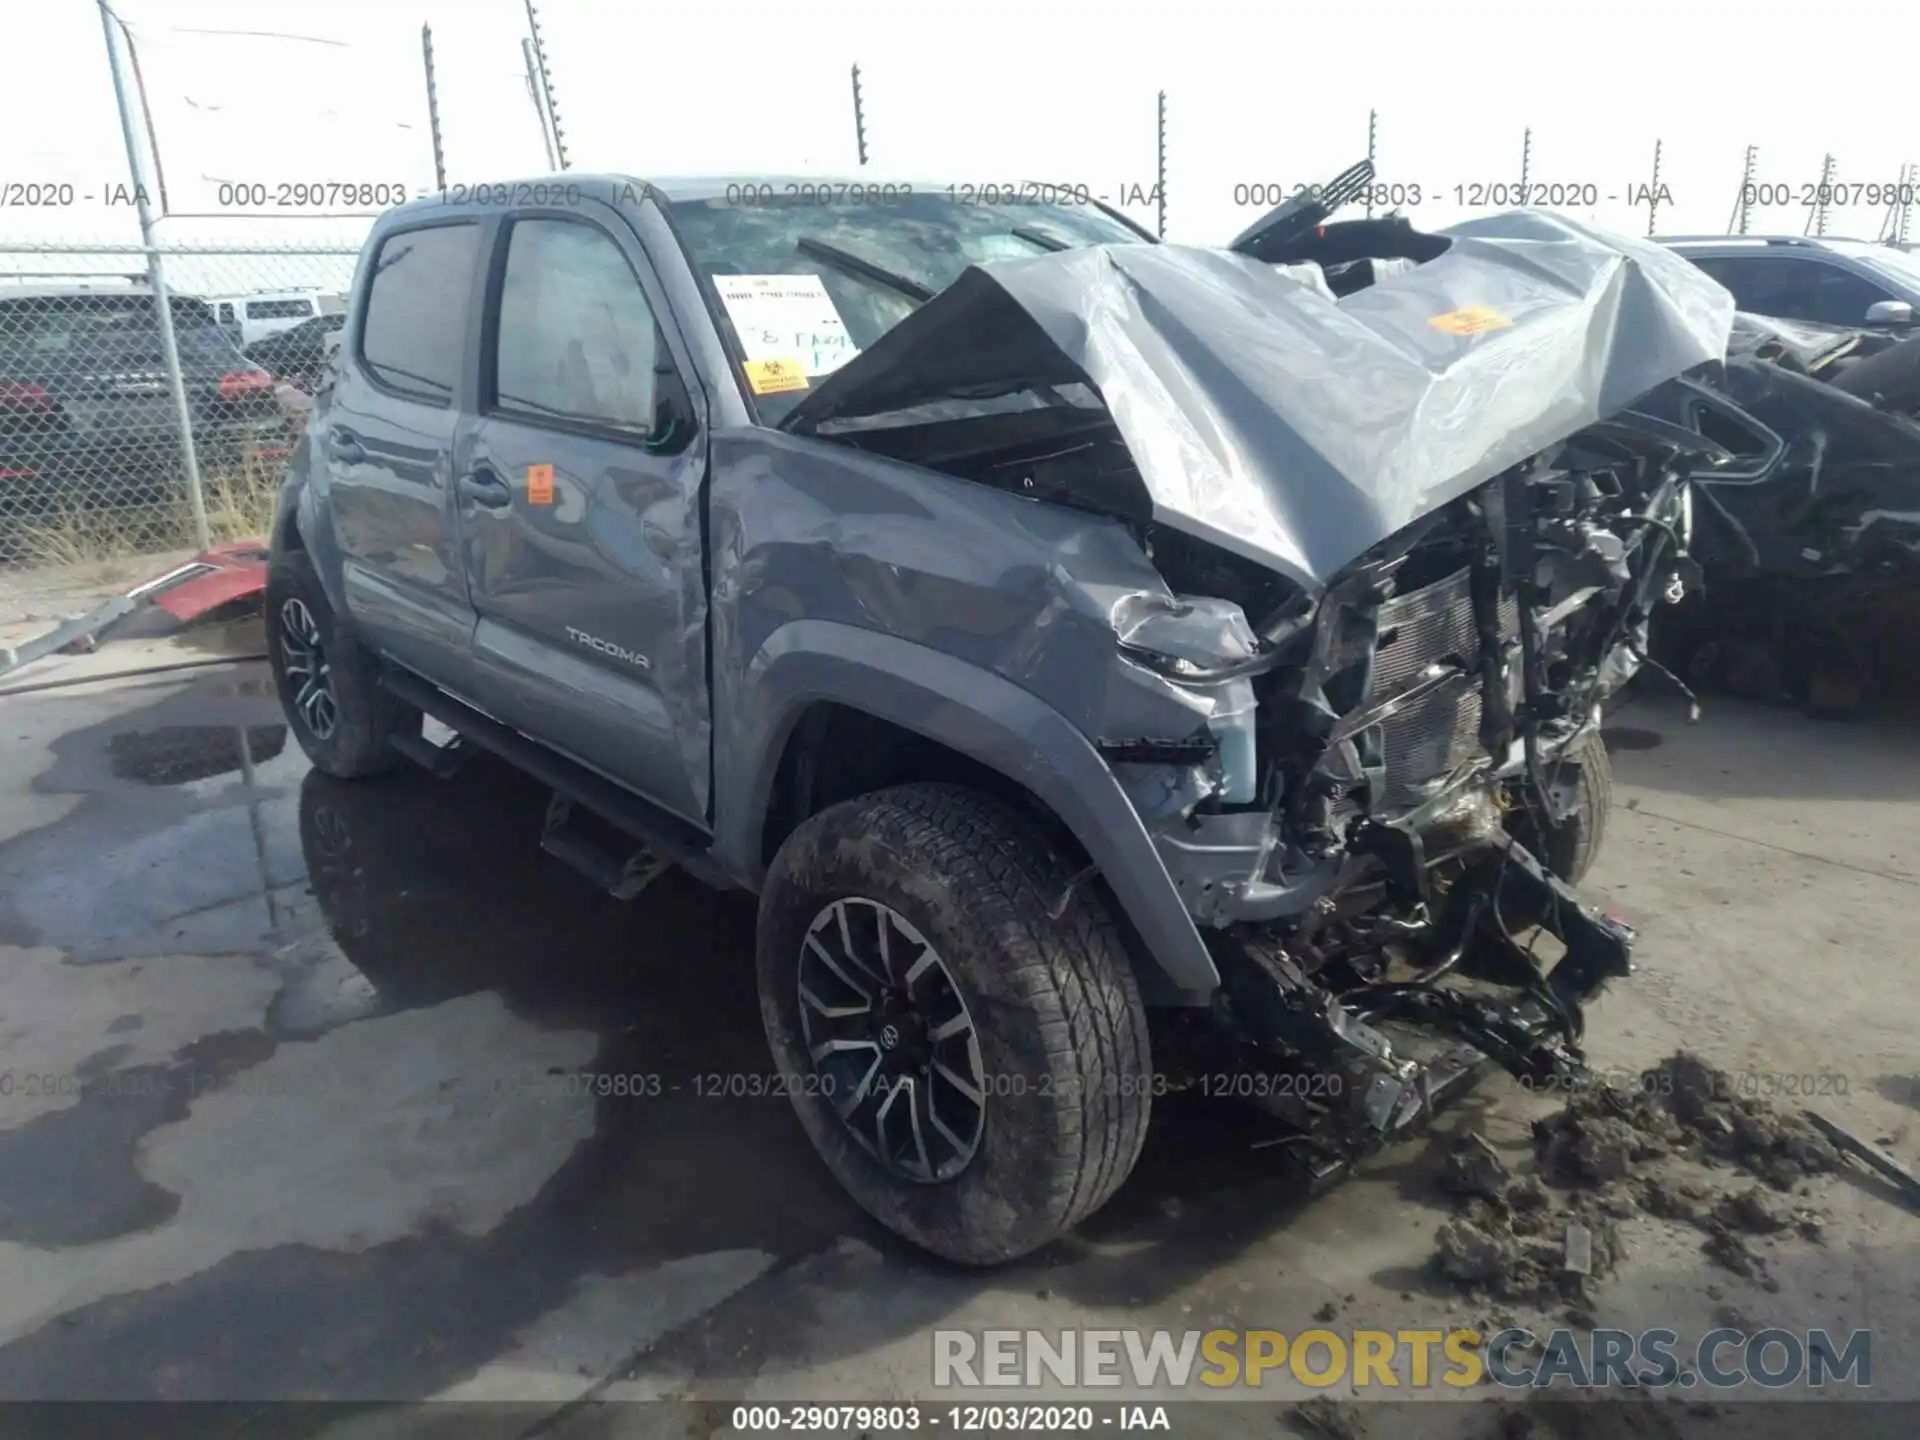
pixel 1111 663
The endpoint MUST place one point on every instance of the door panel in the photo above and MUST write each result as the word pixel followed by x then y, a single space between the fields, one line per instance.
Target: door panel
pixel 389 437
pixel 580 487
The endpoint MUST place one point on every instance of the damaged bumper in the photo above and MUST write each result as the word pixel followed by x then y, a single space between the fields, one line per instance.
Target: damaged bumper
pixel 1410 541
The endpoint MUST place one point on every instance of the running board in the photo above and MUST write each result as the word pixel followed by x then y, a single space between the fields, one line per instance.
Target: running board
pixel 665 837
pixel 440 761
pixel 620 870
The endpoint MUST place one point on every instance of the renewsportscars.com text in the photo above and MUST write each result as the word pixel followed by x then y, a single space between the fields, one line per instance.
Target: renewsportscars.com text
pixel 1773 1359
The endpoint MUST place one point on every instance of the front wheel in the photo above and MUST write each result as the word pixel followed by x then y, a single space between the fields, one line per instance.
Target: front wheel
pixel 972 1067
pixel 1574 844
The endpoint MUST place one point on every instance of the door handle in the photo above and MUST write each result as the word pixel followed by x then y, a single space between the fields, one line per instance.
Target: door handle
pixel 484 486
pixel 345 447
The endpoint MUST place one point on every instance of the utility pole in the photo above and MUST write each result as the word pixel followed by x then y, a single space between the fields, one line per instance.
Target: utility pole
pixel 433 109
pixel 146 115
pixel 546 86
pixel 1744 200
pixel 1817 217
pixel 1373 154
pixel 539 107
pixel 859 118
pixel 157 281
pixel 1160 169
pixel 1653 192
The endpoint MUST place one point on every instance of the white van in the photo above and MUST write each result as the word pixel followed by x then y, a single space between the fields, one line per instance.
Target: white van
pixel 248 318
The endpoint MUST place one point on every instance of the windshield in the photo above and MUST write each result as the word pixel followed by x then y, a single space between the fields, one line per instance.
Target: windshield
pixel 808 285
pixel 1896 265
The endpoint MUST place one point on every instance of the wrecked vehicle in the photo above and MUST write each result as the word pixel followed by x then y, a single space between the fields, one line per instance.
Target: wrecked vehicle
pixel 1105 659
pixel 1810 543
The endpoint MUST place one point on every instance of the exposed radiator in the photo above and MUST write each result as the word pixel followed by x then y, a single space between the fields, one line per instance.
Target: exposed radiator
pixel 1428 739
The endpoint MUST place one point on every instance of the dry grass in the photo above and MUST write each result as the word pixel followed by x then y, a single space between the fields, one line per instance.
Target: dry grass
pixel 240 505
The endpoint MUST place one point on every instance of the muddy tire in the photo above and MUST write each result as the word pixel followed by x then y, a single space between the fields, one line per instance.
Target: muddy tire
pixel 327 683
pixel 1058 1043
pixel 1575 845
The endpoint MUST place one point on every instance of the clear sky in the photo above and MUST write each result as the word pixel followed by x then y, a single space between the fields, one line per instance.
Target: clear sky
pixel 1257 93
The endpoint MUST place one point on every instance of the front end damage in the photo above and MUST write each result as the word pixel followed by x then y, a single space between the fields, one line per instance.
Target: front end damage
pixel 1412 538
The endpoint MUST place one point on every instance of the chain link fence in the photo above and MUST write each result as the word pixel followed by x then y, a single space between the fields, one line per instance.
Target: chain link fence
pixel 113 409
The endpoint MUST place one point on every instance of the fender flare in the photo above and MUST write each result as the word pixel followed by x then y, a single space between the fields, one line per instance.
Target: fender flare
pixel 976 713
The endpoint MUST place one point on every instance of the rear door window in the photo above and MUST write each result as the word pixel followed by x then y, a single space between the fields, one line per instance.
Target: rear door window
pixel 1840 297
pixel 1759 284
pixel 414 333
pixel 1794 289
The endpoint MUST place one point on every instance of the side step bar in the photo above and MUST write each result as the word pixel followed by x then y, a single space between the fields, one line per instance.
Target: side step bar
pixel 667 837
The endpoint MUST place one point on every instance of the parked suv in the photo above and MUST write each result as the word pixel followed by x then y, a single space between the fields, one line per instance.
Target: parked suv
pixel 86 413
pixel 1113 664
pixel 1852 283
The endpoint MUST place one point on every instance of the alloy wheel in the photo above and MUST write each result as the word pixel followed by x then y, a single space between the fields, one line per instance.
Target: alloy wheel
pixel 309 677
pixel 892 1040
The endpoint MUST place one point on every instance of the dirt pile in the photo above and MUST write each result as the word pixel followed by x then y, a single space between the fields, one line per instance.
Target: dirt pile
pixel 1611 1152
pixel 1681 1106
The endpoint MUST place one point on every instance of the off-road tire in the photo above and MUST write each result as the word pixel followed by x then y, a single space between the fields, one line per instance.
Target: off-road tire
pixel 1061 1027
pixel 1575 844
pixel 368 717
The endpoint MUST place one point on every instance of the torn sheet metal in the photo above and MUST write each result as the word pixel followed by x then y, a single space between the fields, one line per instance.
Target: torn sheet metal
pixel 1290 430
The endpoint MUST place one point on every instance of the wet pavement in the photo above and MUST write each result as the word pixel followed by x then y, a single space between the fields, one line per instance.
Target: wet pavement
pixel 347 1091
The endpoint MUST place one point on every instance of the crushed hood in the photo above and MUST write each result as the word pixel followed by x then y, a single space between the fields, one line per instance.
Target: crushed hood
pixel 1293 429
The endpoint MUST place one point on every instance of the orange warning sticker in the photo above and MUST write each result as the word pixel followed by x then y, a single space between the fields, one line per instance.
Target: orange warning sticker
pixel 1473 320
pixel 539 484
pixel 775 377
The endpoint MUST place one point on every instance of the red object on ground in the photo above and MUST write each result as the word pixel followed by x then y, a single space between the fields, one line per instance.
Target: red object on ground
pixel 240 569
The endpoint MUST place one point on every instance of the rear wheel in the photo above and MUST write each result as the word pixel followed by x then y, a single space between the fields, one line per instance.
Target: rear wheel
pixel 328 684
pixel 972 1067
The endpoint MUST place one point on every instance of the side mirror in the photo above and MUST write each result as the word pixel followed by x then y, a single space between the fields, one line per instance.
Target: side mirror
pixel 1890 312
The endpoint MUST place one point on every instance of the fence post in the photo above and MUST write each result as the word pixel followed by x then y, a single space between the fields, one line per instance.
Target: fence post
pixel 539 105
pixel 546 86
pixel 1653 192
pixel 1817 217
pixel 1373 158
pixel 1160 169
pixel 433 109
pixel 157 280
pixel 859 118
pixel 1743 204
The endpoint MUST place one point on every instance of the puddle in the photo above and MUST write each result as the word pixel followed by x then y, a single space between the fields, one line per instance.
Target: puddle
pixel 1628 737
pixel 180 754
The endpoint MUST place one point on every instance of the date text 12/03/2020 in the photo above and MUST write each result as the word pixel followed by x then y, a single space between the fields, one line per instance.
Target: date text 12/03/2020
pixel 966 192
pixel 1471 194
pixel 651 1085
pixel 871 1420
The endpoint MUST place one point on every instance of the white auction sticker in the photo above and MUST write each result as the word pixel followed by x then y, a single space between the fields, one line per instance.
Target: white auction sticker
pixel 782 317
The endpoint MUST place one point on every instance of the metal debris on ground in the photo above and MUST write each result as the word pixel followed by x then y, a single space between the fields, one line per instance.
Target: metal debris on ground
pixel 1871 1156
pixel 212 580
